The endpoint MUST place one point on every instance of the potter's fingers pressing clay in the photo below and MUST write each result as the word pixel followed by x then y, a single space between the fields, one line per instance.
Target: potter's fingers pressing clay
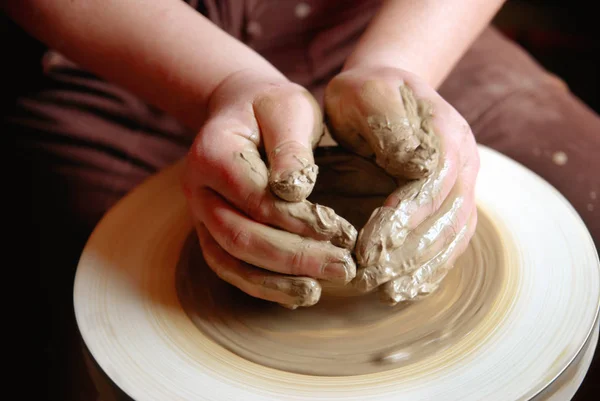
pixel 289 291
pixel 404 142
pixel 302 217
pixel 353 334
pixel 296 183
pixel 384 120
pixel 241 177
pixel 428 276
pixel 290 121
pixel 271 249
pixel 388 249
pixel 322 221
pixel 401 236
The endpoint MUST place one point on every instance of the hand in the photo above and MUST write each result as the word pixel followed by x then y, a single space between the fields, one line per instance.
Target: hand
pixel 390 115
pixel 256 228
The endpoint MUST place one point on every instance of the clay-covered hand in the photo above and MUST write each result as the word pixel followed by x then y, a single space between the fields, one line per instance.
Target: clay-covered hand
pixel 247 177
pixel 411 241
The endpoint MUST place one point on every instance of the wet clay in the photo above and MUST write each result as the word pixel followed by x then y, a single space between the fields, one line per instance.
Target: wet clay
pixel 405 258
pixel 324 221
pixel 298 184
pixel 293 292
pixel 388 247
pixel 405 143
pixel 347 332
pixel 321 220
pixel 344 334
pixel 389 125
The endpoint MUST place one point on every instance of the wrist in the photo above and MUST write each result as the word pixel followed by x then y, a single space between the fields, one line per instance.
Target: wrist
pixel 385 60
pixel 235 85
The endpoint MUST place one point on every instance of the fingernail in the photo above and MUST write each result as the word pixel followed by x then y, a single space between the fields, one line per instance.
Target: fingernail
pixel 296 185
pixel 340 271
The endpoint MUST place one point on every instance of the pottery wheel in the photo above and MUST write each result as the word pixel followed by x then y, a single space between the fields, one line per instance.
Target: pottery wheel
pixel 508 323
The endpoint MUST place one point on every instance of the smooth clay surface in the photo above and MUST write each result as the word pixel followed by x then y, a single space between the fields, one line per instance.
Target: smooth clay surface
pixel 347 333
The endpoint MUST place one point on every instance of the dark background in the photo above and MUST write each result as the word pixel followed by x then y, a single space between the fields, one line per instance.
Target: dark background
pixel 561 35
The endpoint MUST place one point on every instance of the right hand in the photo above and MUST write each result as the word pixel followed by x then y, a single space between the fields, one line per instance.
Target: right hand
pixel 256 228
pixel 398 121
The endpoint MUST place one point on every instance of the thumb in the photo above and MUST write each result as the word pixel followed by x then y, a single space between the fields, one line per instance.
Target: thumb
pixel 291 124
pixel 384 118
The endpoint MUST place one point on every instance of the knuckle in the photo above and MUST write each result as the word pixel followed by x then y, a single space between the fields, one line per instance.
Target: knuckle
pixel 289 147
pixel 289 97
pixel 238 239
pixel 207 166
pixel 288 93
pixel 200 151
pixel 257 207
pixel 201 158
pixel 296 264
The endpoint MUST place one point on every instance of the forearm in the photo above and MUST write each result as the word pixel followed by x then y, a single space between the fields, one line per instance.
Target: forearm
pixel 163 51
pixel 425 37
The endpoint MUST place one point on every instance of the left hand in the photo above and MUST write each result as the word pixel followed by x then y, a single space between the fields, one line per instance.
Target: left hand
pixel 412 240
pixel 246 178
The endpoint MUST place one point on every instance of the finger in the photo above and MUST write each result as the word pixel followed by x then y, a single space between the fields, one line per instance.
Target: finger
pixel 436 234
pixel 402 212
pixel 269 248
pixel 415 200
pixel 399 122
pixel 224 158
pixel 428 277
pixel 290 291
pixel 415 210
pixel 289 120
pixel 385 119
pixel 319 222
pixel 409 116
pixel 395 251
pixel 400 130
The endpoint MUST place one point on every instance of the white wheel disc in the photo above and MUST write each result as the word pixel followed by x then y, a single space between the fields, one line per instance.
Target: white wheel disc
pixel 135 328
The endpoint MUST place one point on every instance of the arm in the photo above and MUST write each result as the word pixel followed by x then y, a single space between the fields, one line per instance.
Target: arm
pixel 173 57
pixel 163 51
pixel 425 37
